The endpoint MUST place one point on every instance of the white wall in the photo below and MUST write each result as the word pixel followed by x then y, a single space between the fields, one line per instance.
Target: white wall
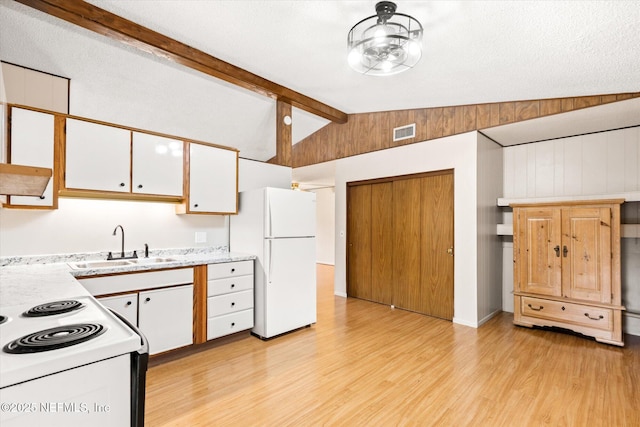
pixel 597 164
pixel 254 174
pixel 81 225
pixel 326 225
pixel 489 244
pixel 458 152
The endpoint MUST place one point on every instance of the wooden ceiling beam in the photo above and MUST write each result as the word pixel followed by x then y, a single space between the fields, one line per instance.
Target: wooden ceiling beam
pixel 113 26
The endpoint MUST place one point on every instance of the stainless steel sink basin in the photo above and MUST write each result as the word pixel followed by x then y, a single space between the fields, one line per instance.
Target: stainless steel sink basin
pixel 87 265
pixel 98 264
pixel 153 260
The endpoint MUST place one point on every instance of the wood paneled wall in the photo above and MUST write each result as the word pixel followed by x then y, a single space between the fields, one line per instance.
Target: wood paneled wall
pixel 369 132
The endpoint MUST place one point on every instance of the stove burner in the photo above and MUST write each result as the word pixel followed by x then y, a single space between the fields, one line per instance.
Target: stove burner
pixel 54 338
pixel 3 319
pixel 52 308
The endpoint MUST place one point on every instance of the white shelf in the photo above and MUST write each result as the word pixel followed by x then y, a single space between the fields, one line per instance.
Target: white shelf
pixel 633 196
pixel 504 229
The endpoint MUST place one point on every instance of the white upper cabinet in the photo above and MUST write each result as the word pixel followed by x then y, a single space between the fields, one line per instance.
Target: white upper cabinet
pixel 32 142
pixel 213 180
pixel 157 165
pixel 97 157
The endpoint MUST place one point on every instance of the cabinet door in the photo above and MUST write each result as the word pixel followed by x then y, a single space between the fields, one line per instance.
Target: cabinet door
pixel 97 157
pixel 537 251
pixel 32 140
pixel 156 165
pixel 586 262
pixel 165 317
pixel 213 183
pixel 124 305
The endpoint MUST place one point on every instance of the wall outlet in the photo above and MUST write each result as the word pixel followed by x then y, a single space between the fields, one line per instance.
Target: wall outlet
pixel 201 237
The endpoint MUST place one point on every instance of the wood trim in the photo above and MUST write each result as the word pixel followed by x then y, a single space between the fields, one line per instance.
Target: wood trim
pixel 368 132
pixel 400 177
pixel 199 304
pixel 569 203
pixel 283 135
pixel 128 32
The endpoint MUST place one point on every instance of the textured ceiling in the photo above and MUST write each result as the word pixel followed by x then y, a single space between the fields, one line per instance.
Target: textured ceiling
pixel 474 52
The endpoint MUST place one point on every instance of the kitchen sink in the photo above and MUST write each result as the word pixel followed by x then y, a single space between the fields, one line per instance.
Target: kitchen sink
pixel 98 264
pixel 153 260
pixel 86 265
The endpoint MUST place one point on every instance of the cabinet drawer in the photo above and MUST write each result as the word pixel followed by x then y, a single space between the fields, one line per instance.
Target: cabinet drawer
pixel 229 284
pixel 229 269
pixel 576 314
pixel 229 324
pixel 229 303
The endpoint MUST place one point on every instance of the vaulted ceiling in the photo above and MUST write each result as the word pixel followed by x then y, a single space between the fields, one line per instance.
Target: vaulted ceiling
pixel 474 52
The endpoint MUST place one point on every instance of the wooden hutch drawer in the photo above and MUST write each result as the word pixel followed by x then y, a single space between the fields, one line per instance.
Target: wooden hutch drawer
pixel 571 313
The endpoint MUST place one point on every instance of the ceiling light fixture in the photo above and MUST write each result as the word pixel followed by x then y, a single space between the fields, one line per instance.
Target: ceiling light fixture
pixel 386 43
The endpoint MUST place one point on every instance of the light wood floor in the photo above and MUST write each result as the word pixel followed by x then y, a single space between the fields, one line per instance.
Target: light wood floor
pixel 365 364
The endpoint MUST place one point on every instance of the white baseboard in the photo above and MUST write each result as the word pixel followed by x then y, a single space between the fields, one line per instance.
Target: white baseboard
pixel 486 318
pixel 340 294
pixel 631 323
pixel 464 322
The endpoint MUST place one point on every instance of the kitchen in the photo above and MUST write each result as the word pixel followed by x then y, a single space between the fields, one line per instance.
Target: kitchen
pixel 82 225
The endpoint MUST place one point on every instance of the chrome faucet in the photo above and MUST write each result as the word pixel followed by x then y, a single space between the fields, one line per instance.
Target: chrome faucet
pixel 122 256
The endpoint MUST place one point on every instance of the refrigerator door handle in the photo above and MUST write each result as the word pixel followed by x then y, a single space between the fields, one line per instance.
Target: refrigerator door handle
pixel 270 262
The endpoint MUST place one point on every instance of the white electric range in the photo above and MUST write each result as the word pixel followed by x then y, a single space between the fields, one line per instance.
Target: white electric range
pixel 68 363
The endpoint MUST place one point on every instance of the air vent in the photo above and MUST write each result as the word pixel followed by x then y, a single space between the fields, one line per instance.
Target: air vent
pixel 404 132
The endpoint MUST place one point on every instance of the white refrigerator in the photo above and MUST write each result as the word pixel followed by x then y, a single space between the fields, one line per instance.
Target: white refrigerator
pixel 278 226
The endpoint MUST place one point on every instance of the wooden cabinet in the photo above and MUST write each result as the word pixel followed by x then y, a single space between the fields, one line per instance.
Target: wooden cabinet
pixel 400 242
pixel 213 180
pixel 156 164
pixel 97 157
pixel 567 267
pixel 229 298
pixel 32 143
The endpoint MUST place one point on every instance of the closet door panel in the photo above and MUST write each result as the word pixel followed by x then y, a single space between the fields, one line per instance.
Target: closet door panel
pixel 359 241
pixel 406 244
pixel 437 240
pixel 382 243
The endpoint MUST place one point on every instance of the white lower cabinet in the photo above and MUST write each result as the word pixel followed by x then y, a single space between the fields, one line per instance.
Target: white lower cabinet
pixel 229 298
pixel 159 303
pixel 165 316
pixel 124 305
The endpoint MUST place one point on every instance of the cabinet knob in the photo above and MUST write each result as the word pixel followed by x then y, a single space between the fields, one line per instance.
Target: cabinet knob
pixel 128 303
pixel 233 285
pixel 233 324
pixel 139 185
pixel 147 299
pixel 195 205
pixel 233 270
pixel 42 197
pixel 122 184
pixel 233 304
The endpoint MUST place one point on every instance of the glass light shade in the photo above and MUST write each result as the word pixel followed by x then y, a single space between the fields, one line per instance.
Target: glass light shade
pixel 385 44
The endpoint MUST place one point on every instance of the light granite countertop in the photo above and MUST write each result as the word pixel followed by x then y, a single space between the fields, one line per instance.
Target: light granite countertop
pixel 43 278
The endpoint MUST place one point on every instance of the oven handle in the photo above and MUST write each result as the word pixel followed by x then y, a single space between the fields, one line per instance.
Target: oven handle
pixel 139 365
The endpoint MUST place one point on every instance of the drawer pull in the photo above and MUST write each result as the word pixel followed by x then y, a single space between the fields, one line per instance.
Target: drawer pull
pixel 594 318
pixel 233 285
pixel 233 304
pixel 233 324
pixel 128 303
pixel 534 308
pixel 233 270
